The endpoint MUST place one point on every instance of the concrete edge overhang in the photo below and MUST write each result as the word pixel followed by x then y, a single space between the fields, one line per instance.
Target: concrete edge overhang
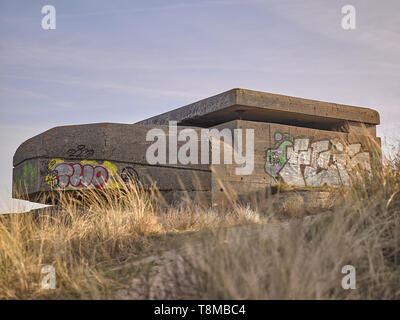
pixel 266 107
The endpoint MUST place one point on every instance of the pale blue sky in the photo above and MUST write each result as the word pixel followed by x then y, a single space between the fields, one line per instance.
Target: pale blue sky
pixel 123 61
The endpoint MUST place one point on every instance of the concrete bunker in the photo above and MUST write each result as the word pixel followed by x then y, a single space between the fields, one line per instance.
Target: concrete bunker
pixel 300 142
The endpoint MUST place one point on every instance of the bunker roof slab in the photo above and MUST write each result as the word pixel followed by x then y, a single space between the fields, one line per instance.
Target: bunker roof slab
pixel 265 107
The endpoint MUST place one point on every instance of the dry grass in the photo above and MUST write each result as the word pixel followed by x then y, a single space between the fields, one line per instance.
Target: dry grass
pixel 300 260
pixel 83 238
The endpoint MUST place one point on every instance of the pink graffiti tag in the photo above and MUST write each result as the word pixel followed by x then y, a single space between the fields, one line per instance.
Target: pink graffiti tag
pixel 78 175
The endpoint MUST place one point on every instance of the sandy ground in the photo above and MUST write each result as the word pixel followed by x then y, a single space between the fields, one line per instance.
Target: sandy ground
pixel 161 264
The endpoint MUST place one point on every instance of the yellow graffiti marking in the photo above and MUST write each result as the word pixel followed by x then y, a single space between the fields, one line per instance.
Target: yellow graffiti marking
pixel 51 179
pixel 54 162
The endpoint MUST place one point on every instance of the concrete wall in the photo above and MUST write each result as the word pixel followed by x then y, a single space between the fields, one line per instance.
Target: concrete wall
pixel 95 156
pixel 297 156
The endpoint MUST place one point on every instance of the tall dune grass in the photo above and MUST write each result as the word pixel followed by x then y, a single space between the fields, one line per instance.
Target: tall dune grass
pixel 85 234
pixel 302 258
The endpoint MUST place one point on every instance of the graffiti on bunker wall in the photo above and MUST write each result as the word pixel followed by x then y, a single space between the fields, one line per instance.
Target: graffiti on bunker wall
pixel 80 174
pixel 304 162
pixel 277 158
pixel 80 151
pixel 26 177
pixel 129 174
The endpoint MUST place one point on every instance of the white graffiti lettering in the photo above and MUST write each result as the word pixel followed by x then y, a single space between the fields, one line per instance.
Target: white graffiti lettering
pixel 319 163
pixel 77 175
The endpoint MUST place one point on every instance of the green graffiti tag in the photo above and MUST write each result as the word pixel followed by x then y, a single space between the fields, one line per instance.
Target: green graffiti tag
pixel 277 157
pixel 27 177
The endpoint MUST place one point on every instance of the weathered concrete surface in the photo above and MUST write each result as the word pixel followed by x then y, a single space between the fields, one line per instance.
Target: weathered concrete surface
pixel 100 141
pixel 93 156
pixel 266 107
pixel 298 142
pixel 297 156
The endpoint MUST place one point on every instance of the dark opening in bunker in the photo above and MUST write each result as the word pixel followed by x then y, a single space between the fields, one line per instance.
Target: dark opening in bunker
pixel 266 115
